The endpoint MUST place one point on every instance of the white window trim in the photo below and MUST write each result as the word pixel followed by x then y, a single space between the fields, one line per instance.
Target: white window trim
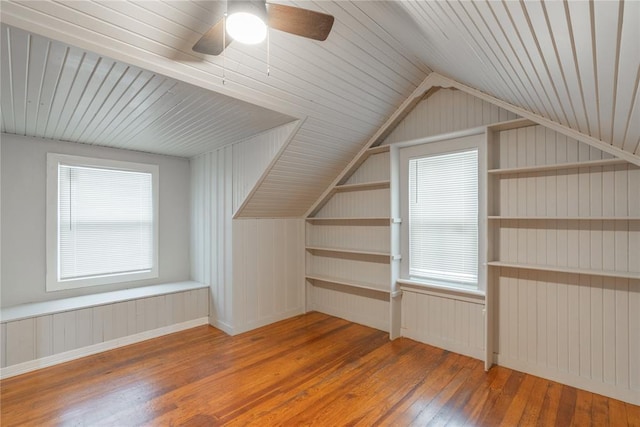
pixel 52 281
pixel 443 146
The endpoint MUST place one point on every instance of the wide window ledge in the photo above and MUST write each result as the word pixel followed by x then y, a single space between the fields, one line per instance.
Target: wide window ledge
pixel 419 286
pixel 36 309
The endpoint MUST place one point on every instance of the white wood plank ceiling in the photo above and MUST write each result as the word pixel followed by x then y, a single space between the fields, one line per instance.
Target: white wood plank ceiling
pixel 51 90
pixel 577 63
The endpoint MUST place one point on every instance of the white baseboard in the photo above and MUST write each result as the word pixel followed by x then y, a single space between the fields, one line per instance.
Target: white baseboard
pixel 223 326
pixel 267 321
pixel 352 316
pixel 475 353
pixel 605 389
pixel 32 365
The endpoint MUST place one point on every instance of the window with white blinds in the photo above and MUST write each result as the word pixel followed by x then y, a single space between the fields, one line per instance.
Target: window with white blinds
pixel 443 218
pixel 105 222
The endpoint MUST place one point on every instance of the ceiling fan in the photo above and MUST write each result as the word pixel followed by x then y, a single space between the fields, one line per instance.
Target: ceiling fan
pixel 247 22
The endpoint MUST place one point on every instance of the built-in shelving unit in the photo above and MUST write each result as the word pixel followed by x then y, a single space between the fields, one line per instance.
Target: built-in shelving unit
pixel 555 205
pixel 557 166
pixel 572 270
pixel 351 220
pixel 349 239
pixel 362 186
pixel 570 218
pixel 386 255
pixel 347 283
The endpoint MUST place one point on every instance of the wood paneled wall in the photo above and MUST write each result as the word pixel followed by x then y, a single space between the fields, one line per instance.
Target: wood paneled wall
pixel 98 328
pixel 211 239
pixel 583 326
pixel 455 324
pixel 268 271
pixel 253 267
pixel 447 110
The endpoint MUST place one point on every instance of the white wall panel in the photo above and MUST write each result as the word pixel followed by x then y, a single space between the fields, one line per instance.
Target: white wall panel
pixel 47 335
pixel 373 238
pixel 211 212
pixel 21 341
pixel 360 204
pixel 577 328
pixel 447 110
pixel 445 322
pixel 268 271
pixel 255 268
pixel 571 327
pixel 360 306
pixel 375 168
pixel 252 156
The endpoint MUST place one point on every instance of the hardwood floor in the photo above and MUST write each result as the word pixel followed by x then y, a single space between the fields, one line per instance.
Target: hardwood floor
pixel 309 370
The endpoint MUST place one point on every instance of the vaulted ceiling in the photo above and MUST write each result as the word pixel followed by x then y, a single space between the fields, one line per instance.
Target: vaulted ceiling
pixel 576 63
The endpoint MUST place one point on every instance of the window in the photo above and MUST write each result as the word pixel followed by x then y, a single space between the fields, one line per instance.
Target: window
pixel 101 221
pixel 440 197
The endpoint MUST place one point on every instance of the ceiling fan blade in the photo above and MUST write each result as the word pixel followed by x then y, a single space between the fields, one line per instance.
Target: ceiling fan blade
pixel 301 22
pixel 211 42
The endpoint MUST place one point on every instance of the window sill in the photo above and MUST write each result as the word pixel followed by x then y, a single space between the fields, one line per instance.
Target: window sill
pixel 470 295
pixel 25 311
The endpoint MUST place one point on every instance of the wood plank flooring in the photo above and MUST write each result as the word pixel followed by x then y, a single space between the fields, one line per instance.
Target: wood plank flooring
pixel 310 370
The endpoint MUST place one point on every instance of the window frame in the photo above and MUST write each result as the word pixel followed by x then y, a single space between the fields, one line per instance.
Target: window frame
pixel 444 146
pixel 53 283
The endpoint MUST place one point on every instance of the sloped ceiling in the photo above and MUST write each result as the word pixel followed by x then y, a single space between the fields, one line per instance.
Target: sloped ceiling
pixel 52 90
pixel 576 63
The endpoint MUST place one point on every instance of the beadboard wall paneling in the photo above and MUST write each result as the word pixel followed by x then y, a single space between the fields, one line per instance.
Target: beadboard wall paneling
pixel 374 238
pixel 268 271
pixel 27 340
pixel 447 110
pixel 366 307
pixel 211 239
pixel 360 204
pixel 375 168
pixel 572 328
pixel 252 156
pixel 370 271
pixel 580 328
pixel 445 322
pixel 255 277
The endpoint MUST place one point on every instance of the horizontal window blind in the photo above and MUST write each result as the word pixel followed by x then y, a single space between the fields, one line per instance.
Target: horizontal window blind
pixel 443 218
pixel 105 222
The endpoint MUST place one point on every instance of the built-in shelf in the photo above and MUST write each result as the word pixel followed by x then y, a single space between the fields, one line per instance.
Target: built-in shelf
pixel 377 150
pixel 347 282
pixel 353 220
pixel 511 124
pixel 573 165
pixel 374 185
pixel 573 270
pixel 351 251
pixel 565 218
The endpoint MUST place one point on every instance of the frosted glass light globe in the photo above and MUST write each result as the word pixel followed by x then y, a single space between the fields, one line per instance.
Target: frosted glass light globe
pixel 246 28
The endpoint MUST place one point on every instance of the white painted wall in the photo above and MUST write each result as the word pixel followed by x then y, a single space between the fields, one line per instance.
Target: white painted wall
pixel 45 339
pixel 579 329
pixel 23 193
pixel 255 268
pixel 268 271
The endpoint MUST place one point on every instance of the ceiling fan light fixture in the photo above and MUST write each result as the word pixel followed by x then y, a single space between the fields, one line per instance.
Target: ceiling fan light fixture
pixel 246 21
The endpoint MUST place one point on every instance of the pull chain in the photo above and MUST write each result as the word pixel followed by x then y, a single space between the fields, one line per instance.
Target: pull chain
pixel 224 44
pixel 268 51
